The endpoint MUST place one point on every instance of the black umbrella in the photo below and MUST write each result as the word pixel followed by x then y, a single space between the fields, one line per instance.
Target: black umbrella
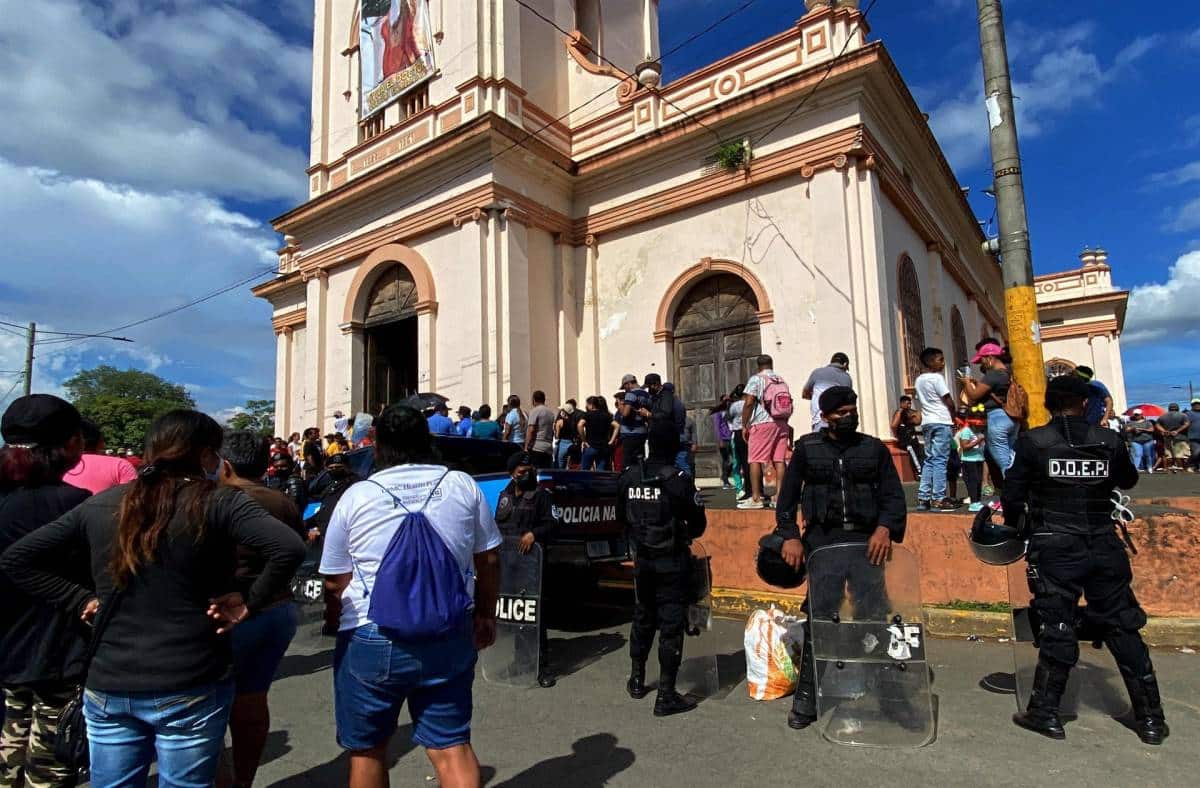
pixel 425 401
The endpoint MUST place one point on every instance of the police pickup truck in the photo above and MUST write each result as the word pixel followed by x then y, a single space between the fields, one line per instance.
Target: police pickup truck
pixel 585 502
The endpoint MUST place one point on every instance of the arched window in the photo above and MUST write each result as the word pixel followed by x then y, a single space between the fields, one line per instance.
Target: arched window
pixel 912 320
pixel 958 339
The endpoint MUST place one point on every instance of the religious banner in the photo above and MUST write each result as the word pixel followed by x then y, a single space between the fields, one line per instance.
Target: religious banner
pixel 395 47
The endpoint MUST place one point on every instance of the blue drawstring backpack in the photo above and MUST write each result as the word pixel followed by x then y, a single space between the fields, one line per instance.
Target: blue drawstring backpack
pixel 420 592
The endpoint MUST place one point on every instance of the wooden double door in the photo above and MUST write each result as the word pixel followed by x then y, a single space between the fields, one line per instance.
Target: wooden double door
pixel 717 340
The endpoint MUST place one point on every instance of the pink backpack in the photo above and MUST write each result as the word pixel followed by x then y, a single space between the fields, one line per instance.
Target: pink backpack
pixel 777 398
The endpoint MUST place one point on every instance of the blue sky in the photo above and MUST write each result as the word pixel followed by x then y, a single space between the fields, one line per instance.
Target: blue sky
pixel 147 144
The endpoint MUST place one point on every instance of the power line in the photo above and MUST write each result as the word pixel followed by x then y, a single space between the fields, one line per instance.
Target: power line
pixel 828 70
pixel 622 71
pixel 710 28
pixel 7 394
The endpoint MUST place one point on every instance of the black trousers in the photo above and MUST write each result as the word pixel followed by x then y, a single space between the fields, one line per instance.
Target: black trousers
pixel 633 448
pixel 741 453
pixel 726 462
pixel 973 473
pixel 1062 567
pixel 851 577
pixel 661 588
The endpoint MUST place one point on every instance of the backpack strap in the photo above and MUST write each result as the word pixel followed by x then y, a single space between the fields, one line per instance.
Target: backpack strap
pixel 397 503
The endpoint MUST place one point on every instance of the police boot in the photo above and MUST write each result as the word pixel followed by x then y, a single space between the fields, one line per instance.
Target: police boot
pixel 1149 723
pixel 668 701
pixel 804 704
pixel 1049 683
pixel 636 686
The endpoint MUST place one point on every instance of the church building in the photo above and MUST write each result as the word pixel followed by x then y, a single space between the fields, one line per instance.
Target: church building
pixel 504 197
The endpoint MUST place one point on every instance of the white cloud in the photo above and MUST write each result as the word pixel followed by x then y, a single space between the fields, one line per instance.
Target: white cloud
pixel 1185 218
pixel 187 96
pixel 87 255
pixel 1166 310
pixel 1180 175
pixel 1053 71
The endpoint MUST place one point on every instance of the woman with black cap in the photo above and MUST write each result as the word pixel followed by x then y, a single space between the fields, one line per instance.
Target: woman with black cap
pixel 41 646
pixel 161 553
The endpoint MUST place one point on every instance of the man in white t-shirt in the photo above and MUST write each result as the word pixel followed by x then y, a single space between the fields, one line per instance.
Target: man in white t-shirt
pixel 434 677
pixel 937 426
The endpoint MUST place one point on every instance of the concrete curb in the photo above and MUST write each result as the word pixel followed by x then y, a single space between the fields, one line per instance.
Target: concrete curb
pixel 949 622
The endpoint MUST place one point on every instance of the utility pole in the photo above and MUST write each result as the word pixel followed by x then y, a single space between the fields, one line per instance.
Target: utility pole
pixel 1020 300
pixel 29 338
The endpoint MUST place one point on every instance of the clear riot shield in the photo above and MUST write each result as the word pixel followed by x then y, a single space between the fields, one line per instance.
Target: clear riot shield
pixel 308 587
pixel 868 638
pixel 1094 681
pixel 513 659
pixel 698 674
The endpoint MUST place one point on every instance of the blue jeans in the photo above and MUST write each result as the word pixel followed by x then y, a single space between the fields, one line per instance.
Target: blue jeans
pixel 185 729
pixel 937 452
pixel 683 461
pixel 374 676
pixel 1142 452
pixel 259 644
pixel 595 457
pixel 560 455
pixel 1001 435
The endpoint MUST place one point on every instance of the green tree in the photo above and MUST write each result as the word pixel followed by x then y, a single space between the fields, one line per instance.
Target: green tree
pixel 123 403
pixel 259 415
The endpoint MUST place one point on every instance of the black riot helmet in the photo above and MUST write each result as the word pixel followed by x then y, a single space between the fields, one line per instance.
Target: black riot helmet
pixel 772 569
pixel 995 541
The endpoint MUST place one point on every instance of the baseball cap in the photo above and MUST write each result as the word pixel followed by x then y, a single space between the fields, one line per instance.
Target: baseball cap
pixel 519 459
pixel 987 350
pixel 1196 401
pixel 629 378
pixel 1071 385
pixel 40 420
pixel 1137 411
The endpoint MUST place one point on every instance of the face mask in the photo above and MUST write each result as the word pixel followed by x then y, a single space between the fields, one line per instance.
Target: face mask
pixel 527 481
pixel 568 409
pixel 846 425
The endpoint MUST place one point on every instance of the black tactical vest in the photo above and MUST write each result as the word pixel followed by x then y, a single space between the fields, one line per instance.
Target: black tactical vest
pixel 1071 492
pixel 841 488
pixel 652 525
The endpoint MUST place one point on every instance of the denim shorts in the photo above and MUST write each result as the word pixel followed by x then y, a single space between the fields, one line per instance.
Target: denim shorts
pixel 374 675
pixel 259 645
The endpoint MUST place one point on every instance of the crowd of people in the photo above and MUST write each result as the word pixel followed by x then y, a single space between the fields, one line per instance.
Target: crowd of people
pixel 191 555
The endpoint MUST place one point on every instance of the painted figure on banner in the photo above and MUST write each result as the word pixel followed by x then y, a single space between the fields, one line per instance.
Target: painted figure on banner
pixel 396 49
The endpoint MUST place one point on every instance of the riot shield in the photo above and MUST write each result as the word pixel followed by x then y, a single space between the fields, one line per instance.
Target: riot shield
pixel 1094 681
pixel 308 587
pixel 698 674
pixel 513 659
pixel 868 638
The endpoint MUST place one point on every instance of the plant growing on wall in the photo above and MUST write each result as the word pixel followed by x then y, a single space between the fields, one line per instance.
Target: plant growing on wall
pixel 733 155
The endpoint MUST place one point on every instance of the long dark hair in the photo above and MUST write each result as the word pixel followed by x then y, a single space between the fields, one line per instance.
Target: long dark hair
pixel 402 437
pixel 172 477
pixel 35 466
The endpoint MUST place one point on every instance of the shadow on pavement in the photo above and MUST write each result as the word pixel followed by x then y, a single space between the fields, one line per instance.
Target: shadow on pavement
pixel 337 771
pixel 571 655
pixel 594 761
pixel 304 664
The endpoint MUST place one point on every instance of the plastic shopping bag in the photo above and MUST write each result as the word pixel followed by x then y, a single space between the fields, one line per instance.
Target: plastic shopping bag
pixel 770 673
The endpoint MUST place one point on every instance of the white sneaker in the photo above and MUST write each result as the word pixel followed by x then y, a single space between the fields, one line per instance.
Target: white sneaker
pixel 750 503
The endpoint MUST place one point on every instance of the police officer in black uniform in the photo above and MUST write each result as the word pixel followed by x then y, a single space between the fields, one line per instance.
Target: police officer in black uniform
pixel 846 487
pixel 526 512
pixel 663 512
pixel 1066 472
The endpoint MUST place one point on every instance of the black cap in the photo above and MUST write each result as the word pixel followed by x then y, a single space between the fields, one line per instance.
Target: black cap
pixel 835 397
pixel 337 459
pixel 40 420
pixel 652 379
pixel 519 459
pixel 1069 385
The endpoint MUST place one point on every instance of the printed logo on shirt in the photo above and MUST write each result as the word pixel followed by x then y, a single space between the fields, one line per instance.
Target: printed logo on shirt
pixel 1077 469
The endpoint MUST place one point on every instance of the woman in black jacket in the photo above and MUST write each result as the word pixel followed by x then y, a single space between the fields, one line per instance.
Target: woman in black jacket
pixel 41 646
pixel 161 551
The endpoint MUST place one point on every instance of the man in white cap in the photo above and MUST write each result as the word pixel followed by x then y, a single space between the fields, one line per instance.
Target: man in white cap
pixel 1140 434
pixel 340 422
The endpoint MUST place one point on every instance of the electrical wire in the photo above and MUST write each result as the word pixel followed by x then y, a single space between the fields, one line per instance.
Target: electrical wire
pixel 710 28
pixel 622 71
pixel 7 394
pixel 828 70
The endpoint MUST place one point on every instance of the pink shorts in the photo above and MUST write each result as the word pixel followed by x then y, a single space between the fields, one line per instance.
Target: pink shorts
pixel 768 442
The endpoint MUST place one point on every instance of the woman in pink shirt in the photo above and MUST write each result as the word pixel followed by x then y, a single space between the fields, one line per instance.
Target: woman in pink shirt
pixel 97 471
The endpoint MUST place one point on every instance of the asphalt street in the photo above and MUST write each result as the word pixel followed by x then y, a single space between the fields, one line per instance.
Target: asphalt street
pixel 587 732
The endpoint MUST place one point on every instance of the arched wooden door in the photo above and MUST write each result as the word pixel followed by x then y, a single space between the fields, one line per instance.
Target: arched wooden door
pixel 391 339
pixel 716 341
